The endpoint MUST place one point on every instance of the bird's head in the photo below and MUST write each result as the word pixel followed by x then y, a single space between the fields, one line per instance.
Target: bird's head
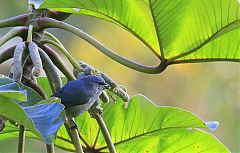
pixel 96 82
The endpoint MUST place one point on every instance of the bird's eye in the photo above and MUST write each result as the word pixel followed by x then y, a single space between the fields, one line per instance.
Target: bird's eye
pixel 101 83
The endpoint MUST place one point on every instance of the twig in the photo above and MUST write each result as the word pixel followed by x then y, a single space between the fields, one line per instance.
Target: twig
pixel 104 130
pixel 50 148
pixel 74 135
pixel 52 37
pixel 7 54
pixel 21 139
pixel 23 19
pixel 11 34
pixel 20 20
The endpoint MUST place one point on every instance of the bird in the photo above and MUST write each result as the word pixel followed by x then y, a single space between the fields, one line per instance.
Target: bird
pixel 79 95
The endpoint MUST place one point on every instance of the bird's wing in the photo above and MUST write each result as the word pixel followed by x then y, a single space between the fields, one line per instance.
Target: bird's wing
pixel 72 94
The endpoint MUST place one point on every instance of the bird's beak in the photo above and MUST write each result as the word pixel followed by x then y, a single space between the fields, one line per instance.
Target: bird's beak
pixel 107 86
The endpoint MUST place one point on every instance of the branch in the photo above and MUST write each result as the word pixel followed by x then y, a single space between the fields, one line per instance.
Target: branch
pixel 104 130
pixel 53 76
pixel 50 148
pixel 34 86
pixel 31 83
pixel 51 23
pixel 53 37
pixel 73 134
pixel 21 139
pixel 30 33
pixel 21 20
pixel 12 33
pixel 7 54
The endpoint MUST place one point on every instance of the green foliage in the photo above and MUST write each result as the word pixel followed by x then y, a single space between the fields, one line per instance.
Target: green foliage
pixel 182 30
pixel 141 127
pixel 37 118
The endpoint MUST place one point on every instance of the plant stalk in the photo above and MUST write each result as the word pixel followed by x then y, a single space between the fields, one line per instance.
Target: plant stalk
pixel 53 38
pixel 74 135
pixel 51 23
pixel 104 130
pixel 21 139
pixel 20 20
pixel 7 54
pixel 11 34
pixel 65 52
pixel 50 148
pixel 30 33
pixel 56 59
pixel 24 19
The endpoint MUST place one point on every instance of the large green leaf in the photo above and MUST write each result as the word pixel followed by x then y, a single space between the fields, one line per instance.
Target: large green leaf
pixel 142 127
pixel 12 90
pixel 180 30
pixel 32 96
pixel 43 120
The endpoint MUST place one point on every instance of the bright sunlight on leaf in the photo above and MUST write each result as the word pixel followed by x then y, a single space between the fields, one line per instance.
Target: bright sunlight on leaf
pixel 142 127
pixel 182 31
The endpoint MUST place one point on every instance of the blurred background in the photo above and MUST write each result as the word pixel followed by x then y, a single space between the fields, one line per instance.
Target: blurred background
pixel 209 90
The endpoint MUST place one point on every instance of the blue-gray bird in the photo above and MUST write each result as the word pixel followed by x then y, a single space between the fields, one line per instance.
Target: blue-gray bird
pixel 79 95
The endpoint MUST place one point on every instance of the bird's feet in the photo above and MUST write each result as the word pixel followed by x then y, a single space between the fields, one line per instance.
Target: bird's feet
pixel 93 111
pixel 74 125
pixel 98 110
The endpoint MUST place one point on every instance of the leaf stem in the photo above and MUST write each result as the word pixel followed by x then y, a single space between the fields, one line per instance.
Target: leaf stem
pixel 30 33
pixel 7 54
pixel 53 37
pixel 94 113
pixel 12 33
pixel 21 139
pixel 20 20
pixel 74 135
pixel 51 23
pixel 105 132
pixel 65 52
pixel 50 148
pixel 50 69
pixel 57 61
